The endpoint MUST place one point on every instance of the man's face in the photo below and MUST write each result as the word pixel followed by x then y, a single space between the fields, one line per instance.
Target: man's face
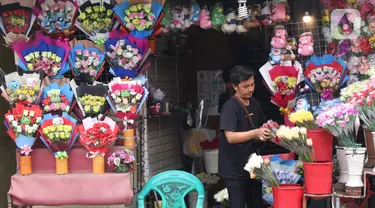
pixel 246 88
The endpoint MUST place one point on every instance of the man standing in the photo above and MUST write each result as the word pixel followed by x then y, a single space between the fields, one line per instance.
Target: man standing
pixel 240 136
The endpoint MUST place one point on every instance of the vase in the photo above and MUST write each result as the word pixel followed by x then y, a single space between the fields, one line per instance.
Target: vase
pixel 193 199
pixel 25 165
pixel 287 195
pixel 318 177
pixel 370 146
pixel 322 142
pixel 211 160
pixel 62 166
pixel 98 165
pixel 355 158
pixel 343 165
pixel 128 135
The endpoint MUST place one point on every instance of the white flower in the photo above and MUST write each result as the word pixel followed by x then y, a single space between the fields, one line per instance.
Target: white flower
pixel 96 62
pixel 29 130
pixel 35 127
pixel 129 47
pixel 134 101
pixel 14 123
pixel 25 112
pixel 128 55
pixel 303 130
pixel 222 195
pixel 117 161
pixel 10 118
pixel 32 114
pixel 121 42
pixel 135 59
pixel 19 129
pixel 255 161
pixel 309 142
pixel 133 92
pixel 138 96
pixel 77 65
pixel 38 120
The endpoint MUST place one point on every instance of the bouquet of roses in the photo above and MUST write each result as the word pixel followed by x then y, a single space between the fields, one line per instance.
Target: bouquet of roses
pixel 295 140
pixel 56 98
pixel 286 172
pixel 22 126
pixel 325 75
pixel 96 20
pixel 347 92
pixel 56 18
pixel 91 99
pixel 141 20
pixel 261 169
pixel 87 61
pixel 126 54
pixel 364 101
pixel 303 118
pixel 25 89
pixel 58 133
pixel 126 98
pixel 342 121
pixel 43 53
pixel 272 126
pixel 16 19
pixel 97 136
pixel 122 161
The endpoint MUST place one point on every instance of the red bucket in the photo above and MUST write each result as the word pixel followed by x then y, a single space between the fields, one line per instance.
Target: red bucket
pixel 318 177
pixel 287 122
pixel 322 144
pixel 287 196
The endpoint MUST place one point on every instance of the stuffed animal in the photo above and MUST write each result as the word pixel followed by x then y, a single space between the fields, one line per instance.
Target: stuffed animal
pixel 302 103
pixel 326 17
pixel 266 15
pixel 178 19
pixel 205 22
pixel 240 28
pixel 230 24
pixel 187 20
pixel 287 55
pixel 371 25
pixel 166 21
pixel 194 13
pixel 306 45
pixel 275 56
pixel 279 41
pixel 217 16
pixel 291 44
pixel 278 13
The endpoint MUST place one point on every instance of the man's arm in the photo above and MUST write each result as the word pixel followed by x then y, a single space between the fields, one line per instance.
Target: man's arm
pixel 239 137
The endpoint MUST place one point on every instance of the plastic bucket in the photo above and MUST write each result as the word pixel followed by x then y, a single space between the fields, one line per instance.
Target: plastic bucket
pixel 211 160
pixel 287 196
pixel 322 144
pixel 318 177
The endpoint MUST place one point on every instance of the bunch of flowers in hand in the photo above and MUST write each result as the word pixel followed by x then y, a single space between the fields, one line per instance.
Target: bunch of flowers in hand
pixel 222 197
pixel 96 19
pixel 139 17
pixel 47 61
pixel 208 179
pixel 87 62
pixel 341 121
pixel 285 85
pixel 56 17
pixel 92 104
pixel 303 118
pixel 272 126
pixel 261 169
pixel 364 101
pixel 295 140
pixel 22 126
pixel 122 161
pixel 124 55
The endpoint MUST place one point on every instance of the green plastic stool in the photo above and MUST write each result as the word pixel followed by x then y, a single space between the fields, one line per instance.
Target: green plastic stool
pixel 173 186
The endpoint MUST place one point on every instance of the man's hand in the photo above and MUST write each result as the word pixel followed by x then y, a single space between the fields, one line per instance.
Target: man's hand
pixel 263 134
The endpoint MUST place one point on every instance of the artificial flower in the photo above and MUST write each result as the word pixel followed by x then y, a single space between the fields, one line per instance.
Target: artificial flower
pixel 97 19
pixel 124 55
pixel 121 161
pixel 303 118
pixel 222 197
pixel 139 17
pixel 16 21
pixel 88 62
pixel 56 17
pixel 91 103
pixel 261 169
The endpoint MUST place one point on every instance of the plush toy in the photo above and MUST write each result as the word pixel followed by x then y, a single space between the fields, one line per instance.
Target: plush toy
pixel 302 103
pixel 187 20
pixel 178 19
pixel 166 21
pixel 278 13
pixel 230 24
pixel 306 45
pixel 204 21
pixel 279 40
pixel 326 18
pixel 287 55
pixel 217 16
pixel 275 56
pixel 194 13
pixel 371 25
pixel 291 44
pixel 240 28
pixel 266 14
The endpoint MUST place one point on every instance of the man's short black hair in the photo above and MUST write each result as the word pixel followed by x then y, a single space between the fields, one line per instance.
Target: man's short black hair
pixel 241 73
pixel 225 75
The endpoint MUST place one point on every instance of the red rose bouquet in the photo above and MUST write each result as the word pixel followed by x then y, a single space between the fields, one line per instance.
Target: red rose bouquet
pixel 210 145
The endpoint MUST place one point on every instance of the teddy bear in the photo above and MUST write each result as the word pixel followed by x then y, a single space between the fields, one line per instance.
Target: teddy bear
pixel 178 19
pixel 266 15
pixel 287 55
pixel 306 46
pixel 195 13
pixel 279 40
pixel 205 22
pixel 278 13
pixel 230 24
pixel 275 56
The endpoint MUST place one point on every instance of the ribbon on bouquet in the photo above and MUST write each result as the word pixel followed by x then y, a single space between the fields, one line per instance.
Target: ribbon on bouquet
pixel 94 154
pixel 26 150
pixel 285 110
pixel 61 155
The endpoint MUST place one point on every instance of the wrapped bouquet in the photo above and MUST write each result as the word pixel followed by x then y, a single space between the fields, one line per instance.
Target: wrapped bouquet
pixel 261 169
pixel 87 60
pixel 56 18
pixel 91 99
pixel 43 54
pixel 25 89
pixel 16 19
pixel 97 137
pixel 96 19
pixel 126 54
pixel 122 161
pixel 57 98
pixel 325 75
pixel 141 20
